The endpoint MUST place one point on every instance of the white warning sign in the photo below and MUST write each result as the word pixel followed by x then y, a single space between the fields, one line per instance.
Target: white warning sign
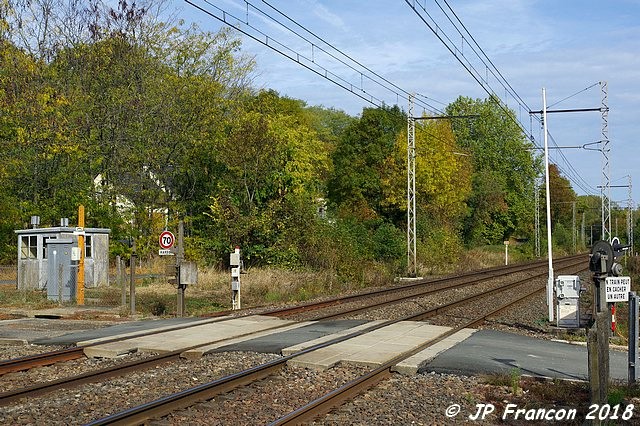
pixel 617 289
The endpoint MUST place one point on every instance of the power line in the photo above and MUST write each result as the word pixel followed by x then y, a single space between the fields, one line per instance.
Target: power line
pixel 483 81
pixel 243 26
pixel 490 67
pixel 577 180
pixel 365 72
pixel 433 109
pixel 512 90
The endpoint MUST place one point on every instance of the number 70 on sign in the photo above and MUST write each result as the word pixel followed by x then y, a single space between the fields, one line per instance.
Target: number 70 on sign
pixel 166 241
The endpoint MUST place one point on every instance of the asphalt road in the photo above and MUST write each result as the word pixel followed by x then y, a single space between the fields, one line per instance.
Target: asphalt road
pixel 489 351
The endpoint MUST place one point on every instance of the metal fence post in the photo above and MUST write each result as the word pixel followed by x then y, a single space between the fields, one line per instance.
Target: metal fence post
pixel 179 259
pixel 120 282
pixel 132 282
pixel 633 336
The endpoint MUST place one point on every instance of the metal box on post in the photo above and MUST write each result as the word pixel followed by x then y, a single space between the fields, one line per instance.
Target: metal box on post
pixel 188 273
pixel 568 290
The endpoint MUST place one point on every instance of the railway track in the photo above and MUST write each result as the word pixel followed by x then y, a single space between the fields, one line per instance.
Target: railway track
pixel 446 284
pixel 337 397
pixel 114 371
pixel 422 287
pixel 170 403
pixel 69 354
pixel 449 282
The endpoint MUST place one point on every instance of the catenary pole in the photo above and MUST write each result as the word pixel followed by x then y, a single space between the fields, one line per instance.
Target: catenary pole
pixel 546 176
pixel 411 193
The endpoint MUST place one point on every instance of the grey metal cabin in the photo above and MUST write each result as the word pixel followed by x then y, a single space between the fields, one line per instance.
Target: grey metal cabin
pixel 34 252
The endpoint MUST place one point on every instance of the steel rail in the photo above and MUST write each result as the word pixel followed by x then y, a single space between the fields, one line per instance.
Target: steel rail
pixel 39 360
pixel 163 406
pixel 330 401
pixel 426 293
pixel 68 354
pixel 38 389
pixel 493 272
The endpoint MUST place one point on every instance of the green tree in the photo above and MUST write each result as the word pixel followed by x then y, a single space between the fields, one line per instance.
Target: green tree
pixel 443 175
pixel 589 207
pixel 42 160
pixel 273 167
pixel 443 185
pixel 504 170
pixel 562 197
pixel 151 113
pixel 355 188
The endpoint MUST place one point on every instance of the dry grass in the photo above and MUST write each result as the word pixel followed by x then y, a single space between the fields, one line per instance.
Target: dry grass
pixel 8 272
pixel 258 286
pixel 155 296
pixel 480 258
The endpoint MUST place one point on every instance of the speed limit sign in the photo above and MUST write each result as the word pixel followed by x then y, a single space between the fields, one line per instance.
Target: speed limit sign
pixel 167 239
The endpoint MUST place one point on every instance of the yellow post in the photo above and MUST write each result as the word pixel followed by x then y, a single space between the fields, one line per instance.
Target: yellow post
pixel 80 280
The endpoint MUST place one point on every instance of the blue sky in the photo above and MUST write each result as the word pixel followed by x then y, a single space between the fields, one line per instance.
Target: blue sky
pixel 564 46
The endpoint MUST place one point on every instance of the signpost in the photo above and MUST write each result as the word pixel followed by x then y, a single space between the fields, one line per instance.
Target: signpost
pixel 180 273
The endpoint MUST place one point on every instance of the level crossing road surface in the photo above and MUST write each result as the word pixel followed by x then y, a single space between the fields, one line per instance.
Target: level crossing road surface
pixel 469 352
pixel 490 351
pixel 64 332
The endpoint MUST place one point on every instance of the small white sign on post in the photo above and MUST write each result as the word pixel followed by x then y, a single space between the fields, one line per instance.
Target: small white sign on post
pixel 617 289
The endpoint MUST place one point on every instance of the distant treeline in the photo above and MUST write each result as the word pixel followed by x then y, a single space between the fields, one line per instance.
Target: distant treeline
pixel 145 121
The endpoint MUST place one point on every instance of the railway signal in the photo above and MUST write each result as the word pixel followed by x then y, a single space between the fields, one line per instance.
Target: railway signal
pixel 235 261
pixel 608 287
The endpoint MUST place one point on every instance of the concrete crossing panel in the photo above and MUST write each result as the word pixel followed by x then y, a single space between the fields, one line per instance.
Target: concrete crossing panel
pixel 374 348
pixel 188 338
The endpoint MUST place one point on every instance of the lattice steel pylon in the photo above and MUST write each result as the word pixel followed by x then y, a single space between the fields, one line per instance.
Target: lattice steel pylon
pixel 411 191
pixel 606 167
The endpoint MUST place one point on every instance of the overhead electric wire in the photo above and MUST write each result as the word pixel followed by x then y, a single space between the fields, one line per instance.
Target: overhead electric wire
pixel 310 63
pixel 574 176
pixel 514 93
pixel 434 109
pixel 439 33
pixel 328 75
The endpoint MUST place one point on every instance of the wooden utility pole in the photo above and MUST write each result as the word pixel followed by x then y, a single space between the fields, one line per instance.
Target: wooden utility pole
pixel 179 259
